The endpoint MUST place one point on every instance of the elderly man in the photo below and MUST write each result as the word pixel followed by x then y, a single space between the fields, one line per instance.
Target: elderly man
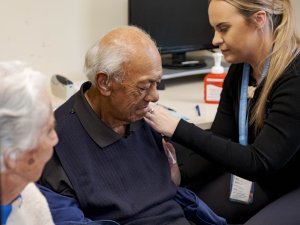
pixel 109 163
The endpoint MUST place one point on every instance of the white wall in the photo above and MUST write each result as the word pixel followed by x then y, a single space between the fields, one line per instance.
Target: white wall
pixel 53 35
pixel 296 4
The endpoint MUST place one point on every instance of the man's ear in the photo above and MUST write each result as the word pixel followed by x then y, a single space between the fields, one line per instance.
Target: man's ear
pixel 103 83
pixel 260 19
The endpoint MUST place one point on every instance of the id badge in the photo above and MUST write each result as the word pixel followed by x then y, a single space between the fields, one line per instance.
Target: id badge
pixel 241 190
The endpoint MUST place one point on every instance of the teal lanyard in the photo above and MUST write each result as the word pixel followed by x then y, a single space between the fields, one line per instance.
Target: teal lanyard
pixel 243 115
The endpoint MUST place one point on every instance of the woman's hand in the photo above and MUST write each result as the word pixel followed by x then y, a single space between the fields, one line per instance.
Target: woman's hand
pixel 171 155
pixel 161 120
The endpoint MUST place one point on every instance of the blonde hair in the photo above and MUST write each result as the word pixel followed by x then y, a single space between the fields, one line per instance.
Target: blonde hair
pixel 286 44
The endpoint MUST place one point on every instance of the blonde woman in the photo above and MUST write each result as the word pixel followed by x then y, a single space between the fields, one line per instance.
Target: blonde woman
pixel 255 134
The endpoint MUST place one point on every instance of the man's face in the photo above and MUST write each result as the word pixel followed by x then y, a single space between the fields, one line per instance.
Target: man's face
pixel 130 98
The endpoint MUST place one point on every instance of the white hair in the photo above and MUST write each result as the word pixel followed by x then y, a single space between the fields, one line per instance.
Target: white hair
pixel 106 59
pixel 23 108
pixel 110 58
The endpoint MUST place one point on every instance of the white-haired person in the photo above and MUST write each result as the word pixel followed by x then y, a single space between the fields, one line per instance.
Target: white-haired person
pixel 27 138
pixel 109 163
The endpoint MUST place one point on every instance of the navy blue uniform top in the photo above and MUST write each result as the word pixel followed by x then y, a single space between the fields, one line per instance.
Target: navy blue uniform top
pixel 122 178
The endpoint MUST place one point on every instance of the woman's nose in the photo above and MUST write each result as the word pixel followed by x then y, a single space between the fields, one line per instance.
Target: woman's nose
pixel 217 39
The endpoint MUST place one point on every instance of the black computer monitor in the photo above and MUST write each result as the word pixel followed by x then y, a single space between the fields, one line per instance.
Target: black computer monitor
pixel 177 26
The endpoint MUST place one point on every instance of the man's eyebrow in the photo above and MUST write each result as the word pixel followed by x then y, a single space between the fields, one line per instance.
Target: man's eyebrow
pixel 149 80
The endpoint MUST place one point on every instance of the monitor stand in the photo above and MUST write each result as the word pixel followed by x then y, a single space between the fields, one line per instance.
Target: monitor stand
pixel 180 61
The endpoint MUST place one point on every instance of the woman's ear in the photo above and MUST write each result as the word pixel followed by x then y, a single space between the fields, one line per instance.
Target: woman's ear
pixel 103 83
pixel 10 160
pixel 260 19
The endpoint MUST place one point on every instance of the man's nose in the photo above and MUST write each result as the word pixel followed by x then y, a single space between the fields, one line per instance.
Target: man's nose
pixel 152 95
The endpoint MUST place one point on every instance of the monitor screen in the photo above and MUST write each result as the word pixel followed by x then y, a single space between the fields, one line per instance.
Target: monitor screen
pixel 177 26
